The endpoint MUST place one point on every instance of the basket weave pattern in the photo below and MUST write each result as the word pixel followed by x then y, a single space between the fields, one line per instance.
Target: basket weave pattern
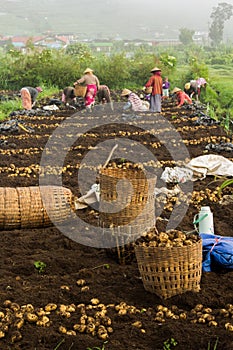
pixel 80 90
pixel 27 207
pixel 122 228
pixel 137 206
pixel 170 271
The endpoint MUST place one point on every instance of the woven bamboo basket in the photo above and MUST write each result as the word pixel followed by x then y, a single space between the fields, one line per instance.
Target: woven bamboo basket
pixel 170 271
pixel 137 213
pixel 80 90
pixel 27 207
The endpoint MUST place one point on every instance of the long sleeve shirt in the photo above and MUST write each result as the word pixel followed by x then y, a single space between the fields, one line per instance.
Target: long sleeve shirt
pixel 182 97
pixel 156 82
pixel 33 92
pixel 89 79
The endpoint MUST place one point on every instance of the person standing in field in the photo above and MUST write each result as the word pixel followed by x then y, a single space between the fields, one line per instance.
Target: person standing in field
pixel 166 86
pixel 92 83
pixel 156 96
pixel 29 95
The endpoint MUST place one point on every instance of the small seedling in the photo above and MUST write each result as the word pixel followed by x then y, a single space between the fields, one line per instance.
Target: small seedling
pixel 40 266
pixel 98 348
pixel 169 344
pixel 106 266
pixel 215 345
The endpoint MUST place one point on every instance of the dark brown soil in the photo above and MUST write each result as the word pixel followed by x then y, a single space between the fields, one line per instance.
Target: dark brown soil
pixel 112 283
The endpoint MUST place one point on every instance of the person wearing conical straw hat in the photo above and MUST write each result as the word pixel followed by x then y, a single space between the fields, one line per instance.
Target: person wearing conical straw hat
pixel 156 82
pixel 181 97
pixel 134 102
pixel 92 83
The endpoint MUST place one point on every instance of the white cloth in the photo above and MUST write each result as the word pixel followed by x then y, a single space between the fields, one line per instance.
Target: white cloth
pixel 211 164
pixel 92 196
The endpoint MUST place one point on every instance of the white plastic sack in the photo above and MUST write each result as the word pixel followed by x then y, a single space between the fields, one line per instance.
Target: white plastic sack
pixel 92 196
pixel 177 175
pixel 211 164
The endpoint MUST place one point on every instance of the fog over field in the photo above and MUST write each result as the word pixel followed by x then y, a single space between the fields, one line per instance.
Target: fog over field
pixel 109 18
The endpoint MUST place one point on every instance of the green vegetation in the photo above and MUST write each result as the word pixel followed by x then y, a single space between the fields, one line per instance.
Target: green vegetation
pixel 215 345
pixel 40 266
pixel 169 344
pixel 54 69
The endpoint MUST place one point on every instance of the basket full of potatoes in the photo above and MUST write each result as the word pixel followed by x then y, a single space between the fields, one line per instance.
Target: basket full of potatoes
pixel 170 263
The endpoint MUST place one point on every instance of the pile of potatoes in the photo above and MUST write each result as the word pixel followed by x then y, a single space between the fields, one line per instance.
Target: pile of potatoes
pixel 169 239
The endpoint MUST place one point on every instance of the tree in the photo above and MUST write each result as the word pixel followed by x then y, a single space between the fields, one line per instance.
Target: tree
pixel 219 16
pixel 80 50
pixel 186 36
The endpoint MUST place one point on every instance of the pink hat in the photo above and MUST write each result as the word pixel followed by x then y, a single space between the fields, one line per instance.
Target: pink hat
pixel 39 89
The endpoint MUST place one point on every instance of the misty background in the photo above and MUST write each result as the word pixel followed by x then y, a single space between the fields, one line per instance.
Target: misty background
pixel 125 19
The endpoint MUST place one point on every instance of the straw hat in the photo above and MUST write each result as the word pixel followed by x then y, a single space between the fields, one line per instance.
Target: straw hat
pixel 39 89
pixel 176 89
pixel 125 92
pixel 155 69
pixel 88 70
pixel 187 86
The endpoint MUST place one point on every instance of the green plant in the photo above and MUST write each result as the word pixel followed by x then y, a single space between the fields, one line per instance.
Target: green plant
pixel 40 266
pixel 98 348
pixel 215 345
pixel 225 184
pixel 8 106
pixel 59 344
pixel 169 344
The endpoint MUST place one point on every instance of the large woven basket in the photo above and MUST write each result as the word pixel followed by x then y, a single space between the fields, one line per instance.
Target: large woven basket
pixel 132 201
pixel 80 90
pixel 170 271
pixel 137 213
pixel 38 206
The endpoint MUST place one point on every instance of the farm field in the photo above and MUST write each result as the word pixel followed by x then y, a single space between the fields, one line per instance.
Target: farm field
pixel 79 279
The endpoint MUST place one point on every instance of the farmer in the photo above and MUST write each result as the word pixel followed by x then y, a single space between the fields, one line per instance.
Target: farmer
pixel 193 88
pixel 29 95
pixel 134 102
pixel 156 82
pixel 166 86
pixel 68 95
pixel 181 97
pixel 103 94
pixel 92 83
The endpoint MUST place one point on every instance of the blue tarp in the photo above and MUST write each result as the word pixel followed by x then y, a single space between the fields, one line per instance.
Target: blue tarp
pixel 217 252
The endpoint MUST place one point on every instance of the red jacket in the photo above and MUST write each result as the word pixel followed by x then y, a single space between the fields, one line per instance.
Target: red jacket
pixel 156 82
pixel 182 97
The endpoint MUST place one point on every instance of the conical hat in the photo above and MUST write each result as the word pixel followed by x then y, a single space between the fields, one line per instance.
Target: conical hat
pixel 88 70
pixel 187 86
pixel 125 92
pixel 176 89
pixel 155 69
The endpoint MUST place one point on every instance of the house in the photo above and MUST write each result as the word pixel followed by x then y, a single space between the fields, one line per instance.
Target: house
pixel 52 42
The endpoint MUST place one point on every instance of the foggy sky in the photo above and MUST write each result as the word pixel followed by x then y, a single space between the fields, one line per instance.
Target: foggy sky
pixel 126 18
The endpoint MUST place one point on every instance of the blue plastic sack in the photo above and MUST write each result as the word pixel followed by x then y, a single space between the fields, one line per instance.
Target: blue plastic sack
pixel 217 252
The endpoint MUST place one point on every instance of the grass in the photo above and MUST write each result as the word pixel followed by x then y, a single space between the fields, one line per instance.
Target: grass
pixel 6 107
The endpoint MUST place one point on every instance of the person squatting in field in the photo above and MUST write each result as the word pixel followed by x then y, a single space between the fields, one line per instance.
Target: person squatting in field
pixel 92 83
pixel 68 95
pixel 134 102
pixel 29 95
pixel 156 82
pixel 181 97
